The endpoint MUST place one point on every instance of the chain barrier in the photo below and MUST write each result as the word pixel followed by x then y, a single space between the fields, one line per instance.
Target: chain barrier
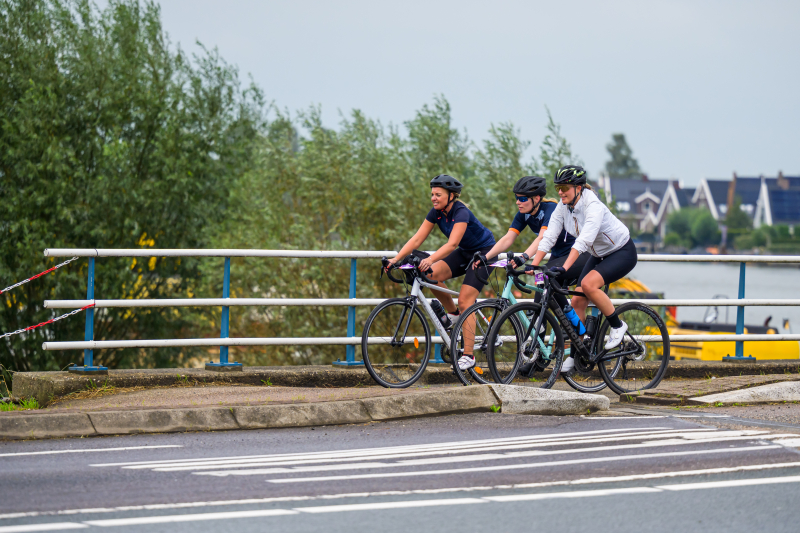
pixel 76 311
pixel 68 261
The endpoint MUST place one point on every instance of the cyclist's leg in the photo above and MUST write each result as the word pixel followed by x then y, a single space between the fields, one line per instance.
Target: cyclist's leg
pixel 467 296
pixel 613 267
pixel 578 303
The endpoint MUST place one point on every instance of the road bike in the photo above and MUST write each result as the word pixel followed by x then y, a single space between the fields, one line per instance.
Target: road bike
pixel 476 321
pixel 396 342
pixel 639 362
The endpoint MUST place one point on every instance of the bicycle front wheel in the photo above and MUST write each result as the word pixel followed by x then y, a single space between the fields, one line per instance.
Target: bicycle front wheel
pixel 471 331
pixel 642 357
pixel 396 344
pixel 508 348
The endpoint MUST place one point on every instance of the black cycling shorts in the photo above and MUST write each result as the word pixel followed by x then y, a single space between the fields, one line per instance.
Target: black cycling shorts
pixel 614 266
pixel 460 263
pixel 570 276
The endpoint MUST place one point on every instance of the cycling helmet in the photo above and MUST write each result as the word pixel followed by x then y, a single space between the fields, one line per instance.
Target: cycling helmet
pixel 447 183
pixel 570 175
pixel 531 186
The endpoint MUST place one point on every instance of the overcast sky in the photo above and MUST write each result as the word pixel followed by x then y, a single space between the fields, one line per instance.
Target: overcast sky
pixel 699 88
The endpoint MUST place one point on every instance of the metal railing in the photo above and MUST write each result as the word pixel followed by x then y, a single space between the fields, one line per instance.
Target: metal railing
pixel 350 341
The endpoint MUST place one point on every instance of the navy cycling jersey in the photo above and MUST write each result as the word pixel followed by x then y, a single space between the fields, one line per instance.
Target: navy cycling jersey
pixel 541 220
pixel 477 237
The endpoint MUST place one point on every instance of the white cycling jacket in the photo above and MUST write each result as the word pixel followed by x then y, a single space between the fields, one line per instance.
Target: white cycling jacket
pixel 594 227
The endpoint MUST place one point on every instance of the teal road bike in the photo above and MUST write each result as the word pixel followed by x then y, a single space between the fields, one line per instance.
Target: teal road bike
pixel 510 348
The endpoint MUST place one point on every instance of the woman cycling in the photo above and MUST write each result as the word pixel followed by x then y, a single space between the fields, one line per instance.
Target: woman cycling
pixel 535 212
pixel 466 235
pixel 597 231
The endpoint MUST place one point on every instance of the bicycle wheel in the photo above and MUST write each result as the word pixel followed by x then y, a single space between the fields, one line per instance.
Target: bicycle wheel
pixel 507 349
pixel 396 344
pixel 643 354
pixel 472 329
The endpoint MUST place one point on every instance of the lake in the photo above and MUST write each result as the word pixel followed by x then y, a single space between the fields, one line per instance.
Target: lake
pixel 706 280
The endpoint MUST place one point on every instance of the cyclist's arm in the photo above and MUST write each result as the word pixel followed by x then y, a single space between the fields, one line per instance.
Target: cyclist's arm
pixel 502 245
pixel 535 244
pixel 573 256
pixel 591 227
pixel 415 241
pixel 459 228
pixel 554 228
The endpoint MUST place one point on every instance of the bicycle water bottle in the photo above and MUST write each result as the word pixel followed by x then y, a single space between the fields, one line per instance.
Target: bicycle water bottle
pixel 441 314
pixel 574 319
pixel 591 326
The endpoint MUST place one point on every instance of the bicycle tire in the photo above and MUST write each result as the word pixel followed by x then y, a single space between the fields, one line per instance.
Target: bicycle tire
pixel 395 366
pixel 480 373
pixel 502 371
pixel 646 368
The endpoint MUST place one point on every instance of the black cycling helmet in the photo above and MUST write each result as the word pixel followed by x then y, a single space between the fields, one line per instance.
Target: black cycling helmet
pixel 531 186
pixel 570 175
pixel 447 183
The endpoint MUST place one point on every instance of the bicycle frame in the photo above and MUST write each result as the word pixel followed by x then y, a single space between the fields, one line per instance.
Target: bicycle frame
pixel 416 294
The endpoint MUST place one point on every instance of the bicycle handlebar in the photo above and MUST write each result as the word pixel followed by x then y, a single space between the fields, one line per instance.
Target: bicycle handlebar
pixel 414 261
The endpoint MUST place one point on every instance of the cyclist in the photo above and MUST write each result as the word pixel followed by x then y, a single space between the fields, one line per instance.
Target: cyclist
pixel 598 231
pixel 535 212
pixel 466 235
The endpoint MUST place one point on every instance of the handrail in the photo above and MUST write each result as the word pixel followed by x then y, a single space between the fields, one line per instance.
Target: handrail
pixel 351 340
pixel 324 302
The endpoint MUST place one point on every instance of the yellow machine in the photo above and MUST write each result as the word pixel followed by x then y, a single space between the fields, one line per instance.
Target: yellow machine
pixel 708 351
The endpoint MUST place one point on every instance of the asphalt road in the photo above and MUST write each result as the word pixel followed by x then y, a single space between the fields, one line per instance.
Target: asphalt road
pixel 460 473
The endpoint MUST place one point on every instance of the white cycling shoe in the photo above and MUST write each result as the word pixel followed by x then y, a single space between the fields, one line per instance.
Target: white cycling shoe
pixel 465 362
pixel 616 335
pixel 567 365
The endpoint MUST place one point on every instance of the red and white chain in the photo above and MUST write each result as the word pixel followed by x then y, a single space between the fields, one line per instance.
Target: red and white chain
pixel 38 275
pixel 76 311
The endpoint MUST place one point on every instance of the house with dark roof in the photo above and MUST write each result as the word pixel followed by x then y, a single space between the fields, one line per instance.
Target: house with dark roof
pixel 637 201
pixel 713 194
pixel 675 197
pixel 778 202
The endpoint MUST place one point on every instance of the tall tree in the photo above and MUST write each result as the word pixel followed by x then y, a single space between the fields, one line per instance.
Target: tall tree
pixel 622 163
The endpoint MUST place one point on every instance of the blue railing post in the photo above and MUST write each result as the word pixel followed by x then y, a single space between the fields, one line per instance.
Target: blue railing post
pixel 740 318
pixel 225 325
pixel 88 354
pixel 350 351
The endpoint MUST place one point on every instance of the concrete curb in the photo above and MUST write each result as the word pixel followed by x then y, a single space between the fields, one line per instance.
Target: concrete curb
pixel 15 426
pixel 533 401
pixel 787 391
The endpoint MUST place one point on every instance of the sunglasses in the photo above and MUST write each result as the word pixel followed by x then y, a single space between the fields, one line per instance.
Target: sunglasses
pixel 563 188
pixel 522 198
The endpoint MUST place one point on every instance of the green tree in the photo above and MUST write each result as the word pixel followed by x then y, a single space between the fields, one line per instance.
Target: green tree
pixel 622 163
pixel 109 140
pixel 737 221
pixel 705 230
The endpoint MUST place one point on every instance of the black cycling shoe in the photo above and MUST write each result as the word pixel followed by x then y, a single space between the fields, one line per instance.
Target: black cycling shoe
pixel 527 369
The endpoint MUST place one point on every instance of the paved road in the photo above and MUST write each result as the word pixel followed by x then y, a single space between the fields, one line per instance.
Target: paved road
pixel 466 473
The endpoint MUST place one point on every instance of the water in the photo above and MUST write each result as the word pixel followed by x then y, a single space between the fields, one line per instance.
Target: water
pixel 706 280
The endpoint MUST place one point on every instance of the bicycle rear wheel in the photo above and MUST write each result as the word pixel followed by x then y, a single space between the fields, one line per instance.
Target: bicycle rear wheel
pixel 472 329
pixel 396 344
pixel 643 354
pixel 507 348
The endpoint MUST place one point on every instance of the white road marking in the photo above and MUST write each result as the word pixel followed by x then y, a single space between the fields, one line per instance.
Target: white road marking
pixel 53 526
pixel 390 505
pixel 188 517
pixel 570 494
pixel 241 471
pixel 584 460
pixel 249 463
pixel 397 449
pixel 732 483
pixel 90 450
pixel 792 443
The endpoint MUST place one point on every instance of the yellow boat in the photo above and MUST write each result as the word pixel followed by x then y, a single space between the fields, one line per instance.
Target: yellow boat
pixel 708 351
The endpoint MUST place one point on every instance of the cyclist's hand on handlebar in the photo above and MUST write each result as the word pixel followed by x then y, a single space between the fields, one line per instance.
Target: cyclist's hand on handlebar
pixel 479 260
pixel 425 265
pixel 556 271
pixel 390 263
pixel 519 260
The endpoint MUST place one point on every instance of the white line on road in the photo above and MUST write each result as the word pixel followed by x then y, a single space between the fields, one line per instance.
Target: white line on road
pixel 569 494
pixel 188 517
pixel 732 483
pixel 397 449
pixel 584 460
pixel 91 450
pixel 389 505
pixel 54 526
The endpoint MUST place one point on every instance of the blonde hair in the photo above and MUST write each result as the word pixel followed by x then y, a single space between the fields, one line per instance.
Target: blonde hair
pixel 457 197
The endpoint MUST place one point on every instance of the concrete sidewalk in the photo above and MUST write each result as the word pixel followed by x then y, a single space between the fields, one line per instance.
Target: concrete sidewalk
pixel 682 392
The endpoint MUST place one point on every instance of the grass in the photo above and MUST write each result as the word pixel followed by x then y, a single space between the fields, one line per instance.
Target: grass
pixel 495 408
pixel 267 382
pixel 24 405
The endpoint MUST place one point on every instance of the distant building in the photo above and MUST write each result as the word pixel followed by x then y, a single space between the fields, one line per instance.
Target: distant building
pixel 637 201
pixel 675 198
pixel 778 202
